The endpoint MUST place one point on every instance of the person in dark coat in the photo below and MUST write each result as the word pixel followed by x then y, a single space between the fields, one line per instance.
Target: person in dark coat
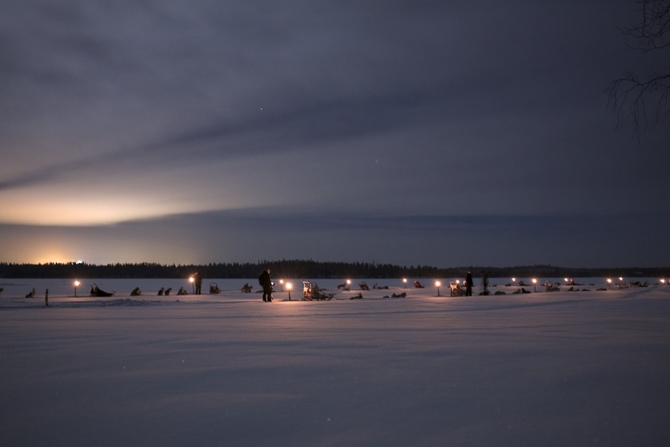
pixel 266 283
pixel 468 284
pixel 197 280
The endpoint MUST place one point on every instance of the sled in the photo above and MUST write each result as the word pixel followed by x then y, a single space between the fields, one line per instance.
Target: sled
pixel 311 292
pixel 96 291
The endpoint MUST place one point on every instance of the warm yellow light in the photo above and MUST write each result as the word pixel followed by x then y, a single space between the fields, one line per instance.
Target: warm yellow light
pixel 438 283
pixel 404 280
pixel 513 279
pixel 289 285
pixel 663 281
pixel 348 281
pixel 609 280
pixel 76 283
pixel 534 280
pixel 191 279
pixel 458 281
pixel 620 278
pixel 565 279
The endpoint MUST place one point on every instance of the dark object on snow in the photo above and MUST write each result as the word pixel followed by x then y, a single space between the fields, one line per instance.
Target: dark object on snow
pixel 214 289
pixel 136 292
pixel 167 292
pixel 311 291
pixel 197 282
pixel 31 294
pixel 418 285
pixel 519 291
pixel 375 286
pixel 500 292
pixel 246 288
pixel 357 297
pixel 266 283
pixel 181 291
pixel 456 289
pixel 96 291
pixel 485 283
pixel 161 291
pixel 551 287
pixel 363 285
pixel 468 284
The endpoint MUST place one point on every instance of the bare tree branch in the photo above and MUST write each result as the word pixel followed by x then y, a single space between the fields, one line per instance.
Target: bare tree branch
pixel 633 95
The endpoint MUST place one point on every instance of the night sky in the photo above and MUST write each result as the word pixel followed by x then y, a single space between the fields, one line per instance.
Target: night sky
pixel 407 132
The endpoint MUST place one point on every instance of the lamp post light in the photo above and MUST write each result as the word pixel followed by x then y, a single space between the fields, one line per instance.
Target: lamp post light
pixel 404 280
pixel 621 283
pixel 438 284
pixel 288 287
pixel 513 280
pixel 534 285
pixel 281 285
pixel 76 284
pixel 609 283
pixel 348 284
pixel 192 281
pixel 663 282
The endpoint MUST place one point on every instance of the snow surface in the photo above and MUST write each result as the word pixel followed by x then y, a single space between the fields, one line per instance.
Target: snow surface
pixel 540 369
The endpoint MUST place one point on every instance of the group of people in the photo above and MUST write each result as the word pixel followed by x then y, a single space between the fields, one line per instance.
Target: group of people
pixel 468 284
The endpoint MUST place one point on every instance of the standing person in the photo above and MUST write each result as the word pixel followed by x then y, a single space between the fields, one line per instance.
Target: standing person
pixel 485 283
pixel 198 283
pixel 468 284
pixel 266 283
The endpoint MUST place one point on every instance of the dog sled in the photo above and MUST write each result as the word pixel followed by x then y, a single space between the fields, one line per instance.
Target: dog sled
pixel 456 289
pixel 97 291
pixel 214 289
pixel 552 287
pixel 311 292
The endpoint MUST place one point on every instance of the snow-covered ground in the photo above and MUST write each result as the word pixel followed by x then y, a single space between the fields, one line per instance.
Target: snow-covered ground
pixel 560 368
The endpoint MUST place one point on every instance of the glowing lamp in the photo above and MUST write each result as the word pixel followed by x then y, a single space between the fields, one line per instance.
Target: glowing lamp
pixel 289 286
pixel 534 285
pixel 76 284
pixel 191 279
pixel 609 283
pixel 438 284
pixel 404 280
pixel 513 279
pixel 281 285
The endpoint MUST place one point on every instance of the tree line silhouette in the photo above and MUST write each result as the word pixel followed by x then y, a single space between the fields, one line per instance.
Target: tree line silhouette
pixel 308 269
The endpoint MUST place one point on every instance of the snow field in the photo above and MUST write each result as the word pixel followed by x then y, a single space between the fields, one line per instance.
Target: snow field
pixel 561 368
